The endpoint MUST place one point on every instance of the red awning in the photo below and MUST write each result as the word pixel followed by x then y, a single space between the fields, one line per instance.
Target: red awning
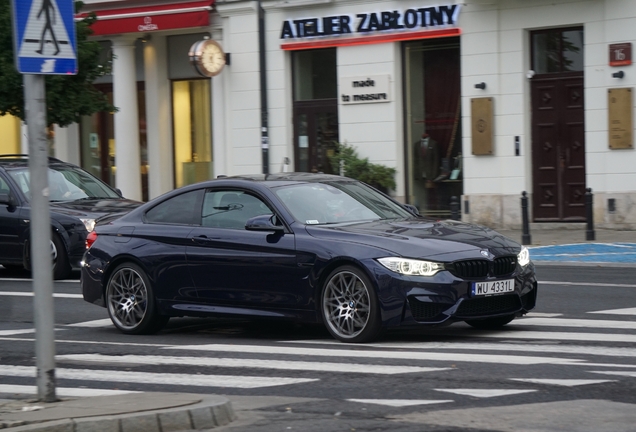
pixel 152 18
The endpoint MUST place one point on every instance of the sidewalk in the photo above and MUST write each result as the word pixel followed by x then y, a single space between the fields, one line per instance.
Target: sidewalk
pixel 566 243
pixel 131 412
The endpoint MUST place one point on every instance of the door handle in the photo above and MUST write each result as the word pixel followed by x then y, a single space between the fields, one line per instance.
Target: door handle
pixel 203 239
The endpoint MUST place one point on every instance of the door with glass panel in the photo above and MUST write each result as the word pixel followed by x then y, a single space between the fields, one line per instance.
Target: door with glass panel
pixel 315 135
pixel 558 125
pixel 315 109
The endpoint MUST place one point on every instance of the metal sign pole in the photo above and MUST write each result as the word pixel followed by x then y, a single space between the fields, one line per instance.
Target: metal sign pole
pixel 41 266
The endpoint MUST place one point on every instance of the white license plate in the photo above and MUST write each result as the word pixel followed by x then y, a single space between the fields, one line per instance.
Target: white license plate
pixel 493 287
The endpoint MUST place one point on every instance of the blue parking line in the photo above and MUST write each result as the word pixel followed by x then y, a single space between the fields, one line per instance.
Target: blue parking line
pixel 586 252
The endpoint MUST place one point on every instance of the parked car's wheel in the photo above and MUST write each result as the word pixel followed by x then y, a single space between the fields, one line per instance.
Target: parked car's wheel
pixel 491 323
pixel 131 303
pixel 350 307
pixel 61 266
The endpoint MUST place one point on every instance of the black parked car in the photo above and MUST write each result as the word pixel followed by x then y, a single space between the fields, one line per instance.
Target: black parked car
pixel 77 200
pixel 306 247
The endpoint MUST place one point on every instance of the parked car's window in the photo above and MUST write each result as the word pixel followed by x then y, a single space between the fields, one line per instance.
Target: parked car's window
pixel 321 203
pixel 183 209
pixel 66 183
pixel 4 187
pixel 231 209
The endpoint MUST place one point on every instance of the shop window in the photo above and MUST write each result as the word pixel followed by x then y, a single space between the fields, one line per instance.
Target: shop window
pixel 315 74
pixel 557 51
pixel 433 129
pixel 192 118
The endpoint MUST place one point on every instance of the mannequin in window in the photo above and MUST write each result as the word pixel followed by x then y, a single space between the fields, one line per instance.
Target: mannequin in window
pixel 427 158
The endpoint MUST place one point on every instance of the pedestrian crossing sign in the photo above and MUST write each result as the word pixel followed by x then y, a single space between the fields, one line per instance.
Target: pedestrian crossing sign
pixel 44 36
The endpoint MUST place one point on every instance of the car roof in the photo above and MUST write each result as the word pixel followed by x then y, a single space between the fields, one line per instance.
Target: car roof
pixel 278 179
pixel 10 161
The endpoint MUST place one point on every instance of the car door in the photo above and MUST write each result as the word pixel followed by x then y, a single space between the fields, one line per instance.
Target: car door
pixel 10 250
pixel 238 268
pixel 164 236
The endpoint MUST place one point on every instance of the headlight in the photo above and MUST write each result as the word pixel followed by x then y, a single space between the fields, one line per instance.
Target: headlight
pixel 411 267
pixel 523 257
pixel 88 223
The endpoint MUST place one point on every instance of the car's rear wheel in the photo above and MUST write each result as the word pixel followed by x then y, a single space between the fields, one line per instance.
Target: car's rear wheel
pixel 491 323
pixel 131 303
pixel 61 266
pixel 349 306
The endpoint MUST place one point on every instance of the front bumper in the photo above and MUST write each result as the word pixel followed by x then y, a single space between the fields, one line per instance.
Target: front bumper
pixel 445 298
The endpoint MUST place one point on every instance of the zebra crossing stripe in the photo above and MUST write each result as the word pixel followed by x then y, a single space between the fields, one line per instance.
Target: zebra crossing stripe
pixel 562 382
pixel 484 393
pixel 228 381
pixel 399 402
pixel 631 374
pixel 623 311
pixel 564 336
pixel 62 391
pixel 375 354
pixel 582 323
pixel 246 363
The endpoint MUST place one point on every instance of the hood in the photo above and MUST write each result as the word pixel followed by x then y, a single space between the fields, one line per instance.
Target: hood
pixel 421 238
pixel 94 207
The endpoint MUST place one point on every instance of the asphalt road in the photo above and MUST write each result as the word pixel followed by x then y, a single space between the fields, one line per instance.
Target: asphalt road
pixel 567 366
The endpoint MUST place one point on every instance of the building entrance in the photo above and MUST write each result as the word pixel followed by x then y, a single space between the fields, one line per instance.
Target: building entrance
pixel 558 126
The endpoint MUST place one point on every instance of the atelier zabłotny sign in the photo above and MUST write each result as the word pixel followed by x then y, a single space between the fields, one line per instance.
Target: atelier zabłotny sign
pixel 371 23
pixel 369 89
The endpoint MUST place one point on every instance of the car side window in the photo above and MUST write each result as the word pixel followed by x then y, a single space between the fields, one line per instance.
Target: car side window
pixel 4 186
pixel 182 209
pixel 231 209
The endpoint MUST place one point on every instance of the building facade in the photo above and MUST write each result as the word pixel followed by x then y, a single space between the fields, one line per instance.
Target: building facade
pixel 476 99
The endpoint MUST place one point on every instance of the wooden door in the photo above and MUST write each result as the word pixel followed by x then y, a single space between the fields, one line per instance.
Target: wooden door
pixel 558 148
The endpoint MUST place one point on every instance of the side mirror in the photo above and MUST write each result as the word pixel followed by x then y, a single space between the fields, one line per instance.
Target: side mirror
pixel 263 223
pixel 6 199
pixel 412 209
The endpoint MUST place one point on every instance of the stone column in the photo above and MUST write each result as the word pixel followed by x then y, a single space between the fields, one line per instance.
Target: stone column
pixel 127 157
pixel 158 117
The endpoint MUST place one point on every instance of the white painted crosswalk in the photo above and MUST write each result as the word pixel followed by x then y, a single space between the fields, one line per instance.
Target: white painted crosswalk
pixel 563 353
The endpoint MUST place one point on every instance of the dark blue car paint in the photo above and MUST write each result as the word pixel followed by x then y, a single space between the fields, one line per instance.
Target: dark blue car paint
pixel 206 271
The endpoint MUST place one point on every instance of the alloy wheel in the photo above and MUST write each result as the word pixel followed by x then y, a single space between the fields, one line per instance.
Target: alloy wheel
pixel 346 305
pixel 127 298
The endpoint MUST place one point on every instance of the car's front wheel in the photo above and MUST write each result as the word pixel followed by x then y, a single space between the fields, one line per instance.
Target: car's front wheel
pixel 491 323
pixel 61 266
pixel 131 303
pixel 349 306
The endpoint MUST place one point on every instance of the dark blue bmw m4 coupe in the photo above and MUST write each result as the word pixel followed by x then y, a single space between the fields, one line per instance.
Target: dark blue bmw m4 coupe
pixel 305 247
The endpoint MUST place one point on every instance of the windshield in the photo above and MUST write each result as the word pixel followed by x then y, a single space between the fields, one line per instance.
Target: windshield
pixel 338 202
pixel 66 183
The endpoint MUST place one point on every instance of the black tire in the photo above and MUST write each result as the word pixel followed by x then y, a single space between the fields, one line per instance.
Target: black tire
pixel 131 303
pixel 61 266
pixel 349 306
pixel 491 323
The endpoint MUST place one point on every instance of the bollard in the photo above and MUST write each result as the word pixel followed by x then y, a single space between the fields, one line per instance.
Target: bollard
pixel 589 212
pixel 454 208
pixel 525 237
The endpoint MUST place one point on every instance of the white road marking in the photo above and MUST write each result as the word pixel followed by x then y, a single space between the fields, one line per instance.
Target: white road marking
pixel 485 393
pixel 543 315
pixel 30 294
pixel 617 373
pixel 16 332
pixel 565 336
pixel 500 346
pixel 562 382
pixel 96 323
pixel 449 357
pixel 31 280
pixel 228 381
pixel 246 363
pixel 592 284
pixel 399 402
pixel 626 311
pixel 583 323
pixel 63 391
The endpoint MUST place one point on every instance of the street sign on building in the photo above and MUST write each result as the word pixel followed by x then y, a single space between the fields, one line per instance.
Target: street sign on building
pixel 44 37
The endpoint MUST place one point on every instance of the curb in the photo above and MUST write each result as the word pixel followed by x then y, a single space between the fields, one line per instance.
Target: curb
pixel 209 413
